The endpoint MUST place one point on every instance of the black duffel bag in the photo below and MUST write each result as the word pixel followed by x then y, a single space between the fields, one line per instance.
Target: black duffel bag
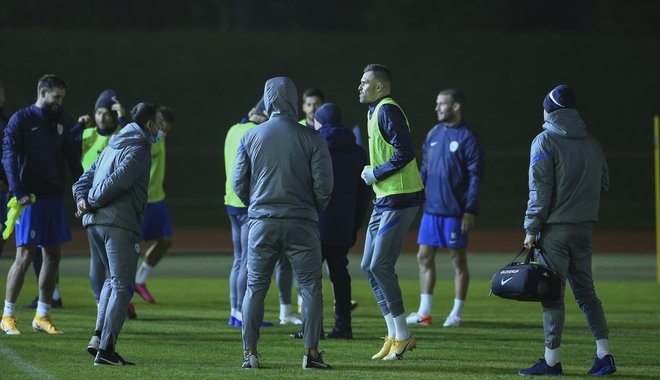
pixel 528 280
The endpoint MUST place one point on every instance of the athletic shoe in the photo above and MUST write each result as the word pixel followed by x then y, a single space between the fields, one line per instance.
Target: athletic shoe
pixel 415 319
pixel 55 304
pixel 541 369
pixel 387 347
pixel 231 322
pixel 8 325
pixel 354 304
pixel 400 347
pixel 44 324
pixel 239 323
pixel 33 304
pixel 104 358
pixel 290 319
pixel 310 362
pixel 300 335
pixel 338 333
pixel 130 313
pixel 93 345
pixel 141 289
pixel 251 361
pixel 604 366
pixel 452 321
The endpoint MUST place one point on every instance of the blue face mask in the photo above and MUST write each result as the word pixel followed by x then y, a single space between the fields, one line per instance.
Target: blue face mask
pixel 159 136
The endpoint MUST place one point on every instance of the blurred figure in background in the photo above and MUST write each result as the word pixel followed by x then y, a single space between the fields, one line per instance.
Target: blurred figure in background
pixel 452 172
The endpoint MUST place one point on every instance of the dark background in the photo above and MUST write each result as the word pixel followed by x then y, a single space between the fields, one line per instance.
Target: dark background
pixel 209 60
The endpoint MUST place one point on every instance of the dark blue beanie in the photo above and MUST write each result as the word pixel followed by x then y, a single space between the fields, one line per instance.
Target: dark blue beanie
pixel 560 97
pixel 328 113
pixel 106 100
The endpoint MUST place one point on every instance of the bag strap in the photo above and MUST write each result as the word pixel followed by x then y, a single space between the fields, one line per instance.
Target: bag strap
pixel 519 253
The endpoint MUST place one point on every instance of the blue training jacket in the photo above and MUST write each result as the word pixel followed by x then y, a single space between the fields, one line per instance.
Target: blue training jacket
pixel 36 148
pixel 452 170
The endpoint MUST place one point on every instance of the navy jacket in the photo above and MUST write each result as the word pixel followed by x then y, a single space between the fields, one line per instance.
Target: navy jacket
pixel 36 149
pixel 343 217
pixel 452 170
pixel 3 124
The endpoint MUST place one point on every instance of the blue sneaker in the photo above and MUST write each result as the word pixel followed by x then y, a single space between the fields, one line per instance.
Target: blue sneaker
pixel 604 366
pixel 541 369
pixel 239 323
pixel 232 321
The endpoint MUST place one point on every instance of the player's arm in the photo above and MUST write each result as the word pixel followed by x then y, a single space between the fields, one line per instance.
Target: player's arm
pixel 541 180
pixel 81 188
pixel 242 172
pixel 131 167
pixel 322 175
pixel 475 162
pixel 12 148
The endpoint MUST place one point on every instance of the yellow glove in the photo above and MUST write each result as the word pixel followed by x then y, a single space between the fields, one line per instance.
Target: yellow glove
pixel 13 214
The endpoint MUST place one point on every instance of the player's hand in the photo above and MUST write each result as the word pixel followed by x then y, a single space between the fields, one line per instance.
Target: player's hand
pixel 467 223
pixel 117 107
pixel 368 175
pixel 530 240
pixel 82 208
pixel 85 120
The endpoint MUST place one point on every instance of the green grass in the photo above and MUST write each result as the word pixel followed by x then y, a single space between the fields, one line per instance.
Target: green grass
pixel 185 334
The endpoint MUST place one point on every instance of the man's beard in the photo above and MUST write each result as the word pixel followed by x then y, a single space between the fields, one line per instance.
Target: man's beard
pixel 52 110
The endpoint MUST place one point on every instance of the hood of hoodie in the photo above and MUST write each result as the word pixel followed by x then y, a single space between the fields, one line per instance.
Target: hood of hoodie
pixel 566 123
pixel 337 137
pixel 281 98
pixel 131 134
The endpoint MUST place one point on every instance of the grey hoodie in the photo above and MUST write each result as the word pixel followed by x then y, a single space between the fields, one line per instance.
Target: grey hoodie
pixel 567 173
pixel 115 186
pixel 283 170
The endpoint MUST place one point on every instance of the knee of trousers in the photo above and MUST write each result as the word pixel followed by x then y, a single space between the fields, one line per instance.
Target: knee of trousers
pixel 379 270
pixel 120 286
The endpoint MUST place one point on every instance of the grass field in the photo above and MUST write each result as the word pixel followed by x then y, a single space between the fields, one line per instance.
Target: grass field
pixel 185 334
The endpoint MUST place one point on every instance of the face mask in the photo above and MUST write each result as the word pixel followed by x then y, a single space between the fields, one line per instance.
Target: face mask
pixel 159 136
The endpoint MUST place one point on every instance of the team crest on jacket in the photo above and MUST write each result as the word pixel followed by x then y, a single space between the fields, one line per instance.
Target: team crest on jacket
pixel 453 146
pixel 137 248
pixel 60 129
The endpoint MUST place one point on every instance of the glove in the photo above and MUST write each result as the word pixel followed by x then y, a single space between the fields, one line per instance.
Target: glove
pixel 13 214
pixel 368 175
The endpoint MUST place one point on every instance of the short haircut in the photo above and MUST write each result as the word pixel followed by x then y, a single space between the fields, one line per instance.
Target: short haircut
pixel 143 112
pixel 456 95
pixel 51 81
pixel 381 72
pixel 314 92
pixel 168 115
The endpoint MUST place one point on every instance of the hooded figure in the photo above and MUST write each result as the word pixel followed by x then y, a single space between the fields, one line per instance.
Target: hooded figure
pixel 283 174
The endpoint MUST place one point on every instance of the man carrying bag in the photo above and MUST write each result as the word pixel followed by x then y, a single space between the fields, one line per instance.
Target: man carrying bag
pixel 567 175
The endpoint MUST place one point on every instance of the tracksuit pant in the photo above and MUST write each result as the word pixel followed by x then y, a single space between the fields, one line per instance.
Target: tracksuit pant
pixel 300 241
pixel 238 275
pixel 118 250
pixel 385 235
pixel 567 249
pixel 336 257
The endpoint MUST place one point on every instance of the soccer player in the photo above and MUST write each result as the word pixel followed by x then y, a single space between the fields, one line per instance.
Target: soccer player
pixel 312 99
pixel 395 179
pixel 343 217
pixel 37 146
pixel 157 227
pixel 238 218
pixel 567 176
pixel 283 199
pixel 452 171
pixel 111 197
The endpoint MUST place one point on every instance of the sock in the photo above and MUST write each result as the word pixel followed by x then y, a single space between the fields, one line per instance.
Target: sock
pixel 233 312
pixel 239 316
pixel 143 273
pixel 284 310
pixel 391 327
pixel 602 347
pixel 425 303
pixel 56 293
pixel 551 356
pixel 402 331
pixel 458 307
pixel 9 309
pixel 42 309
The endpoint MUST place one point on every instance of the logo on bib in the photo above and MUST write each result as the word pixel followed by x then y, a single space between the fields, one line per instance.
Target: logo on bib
pixel 60 129
pixel 137 248
pixel 453 146
pixel 33 233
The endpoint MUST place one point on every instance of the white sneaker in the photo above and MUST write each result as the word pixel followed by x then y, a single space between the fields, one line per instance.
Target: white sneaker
pixel 416 319
pixel 452 321
pixel 290 319
pixel 251 361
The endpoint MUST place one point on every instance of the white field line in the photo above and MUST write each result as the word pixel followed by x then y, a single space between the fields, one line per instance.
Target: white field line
pixel 23 365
